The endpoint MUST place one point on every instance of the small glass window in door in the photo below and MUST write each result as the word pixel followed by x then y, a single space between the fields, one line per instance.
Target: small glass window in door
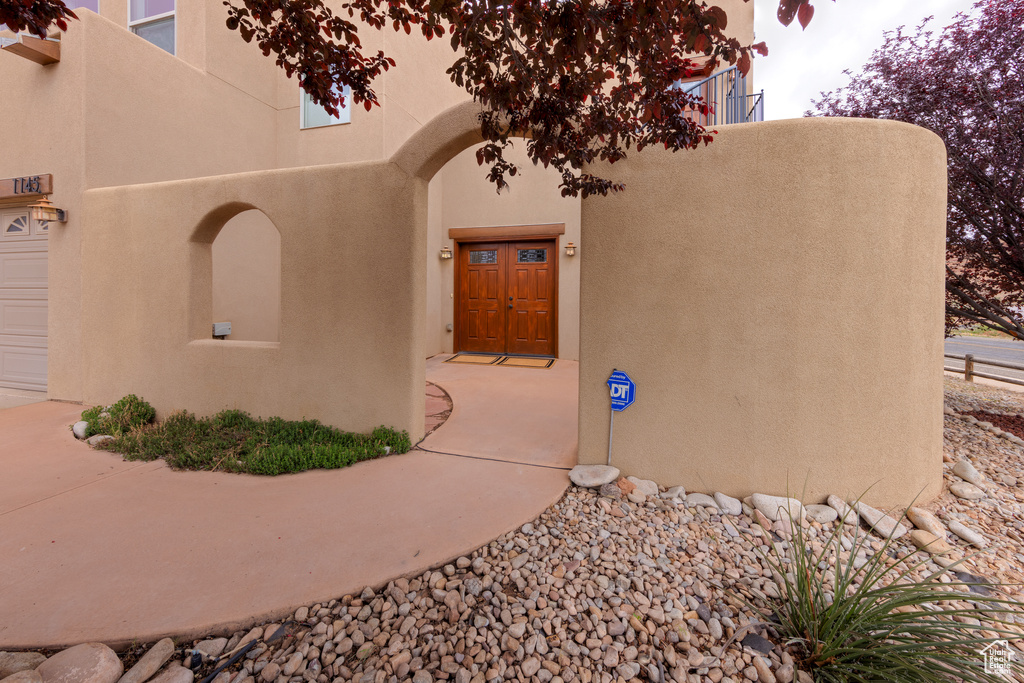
pixel 483 257
pixel 532 256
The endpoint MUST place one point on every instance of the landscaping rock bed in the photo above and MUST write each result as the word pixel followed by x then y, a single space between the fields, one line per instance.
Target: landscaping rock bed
pixel 629 581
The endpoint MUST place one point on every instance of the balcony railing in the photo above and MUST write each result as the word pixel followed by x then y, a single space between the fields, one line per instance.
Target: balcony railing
pixel 726 93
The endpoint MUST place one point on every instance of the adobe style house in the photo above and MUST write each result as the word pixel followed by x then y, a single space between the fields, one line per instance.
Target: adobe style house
pixel 739 285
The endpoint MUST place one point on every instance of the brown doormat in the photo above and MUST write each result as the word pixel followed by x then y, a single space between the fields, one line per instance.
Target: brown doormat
pixel 475 359
pixel 521 362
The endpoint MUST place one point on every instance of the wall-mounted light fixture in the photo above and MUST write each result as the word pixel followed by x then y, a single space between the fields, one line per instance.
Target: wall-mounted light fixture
pixel 446 253
pixel 44 210
pixel 570 249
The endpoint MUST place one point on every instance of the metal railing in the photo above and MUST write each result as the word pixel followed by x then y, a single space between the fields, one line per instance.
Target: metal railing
pixel 970 373
pixel 726 93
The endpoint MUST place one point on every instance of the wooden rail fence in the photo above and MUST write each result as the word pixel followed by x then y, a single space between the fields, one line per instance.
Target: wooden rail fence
pixel 970 373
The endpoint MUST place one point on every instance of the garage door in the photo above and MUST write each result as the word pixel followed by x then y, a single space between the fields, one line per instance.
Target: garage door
pixel 23 298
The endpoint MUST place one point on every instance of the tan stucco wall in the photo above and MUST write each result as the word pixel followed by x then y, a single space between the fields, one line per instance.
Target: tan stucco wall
pixel 352 304
pixel 778 298
pixel 468 200
pixel 247 277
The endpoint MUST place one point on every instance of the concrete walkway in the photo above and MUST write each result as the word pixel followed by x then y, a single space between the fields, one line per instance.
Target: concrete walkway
pixel 93 548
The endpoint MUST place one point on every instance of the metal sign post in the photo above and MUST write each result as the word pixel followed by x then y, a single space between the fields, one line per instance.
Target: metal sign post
pixel 623 393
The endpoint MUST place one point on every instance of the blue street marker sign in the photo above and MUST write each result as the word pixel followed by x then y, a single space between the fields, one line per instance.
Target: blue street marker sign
pixel 623 390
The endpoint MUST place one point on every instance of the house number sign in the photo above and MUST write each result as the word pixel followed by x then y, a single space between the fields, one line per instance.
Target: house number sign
pixel 26 186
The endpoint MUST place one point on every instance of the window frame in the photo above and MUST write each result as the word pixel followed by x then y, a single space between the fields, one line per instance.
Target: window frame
pixel 344 118
pixel 133 25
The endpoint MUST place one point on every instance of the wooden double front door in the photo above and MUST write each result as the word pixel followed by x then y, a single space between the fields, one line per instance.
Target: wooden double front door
pixel 506 297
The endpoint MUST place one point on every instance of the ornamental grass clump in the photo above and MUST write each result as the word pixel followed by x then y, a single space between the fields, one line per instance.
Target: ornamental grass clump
pixel 884 617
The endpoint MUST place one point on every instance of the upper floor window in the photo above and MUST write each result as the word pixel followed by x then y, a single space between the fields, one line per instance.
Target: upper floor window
pixel 315 116
pixel 153 20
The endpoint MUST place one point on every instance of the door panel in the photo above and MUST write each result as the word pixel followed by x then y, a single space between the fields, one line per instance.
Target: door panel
pixel 481 310
pixel 532 296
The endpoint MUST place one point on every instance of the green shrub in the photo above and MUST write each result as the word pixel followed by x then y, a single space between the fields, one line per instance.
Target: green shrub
pixel 130 413
pixel 234 441
pixel 876 622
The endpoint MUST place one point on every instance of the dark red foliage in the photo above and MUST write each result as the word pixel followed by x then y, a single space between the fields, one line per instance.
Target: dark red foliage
pixel 582 80
pixel 35 16
pixel 965 83
pixel 1014 424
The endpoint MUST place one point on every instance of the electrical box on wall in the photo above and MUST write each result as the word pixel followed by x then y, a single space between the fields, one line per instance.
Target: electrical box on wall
pixel 221 330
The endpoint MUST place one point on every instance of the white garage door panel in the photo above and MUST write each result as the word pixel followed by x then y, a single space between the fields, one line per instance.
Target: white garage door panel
pixel 22 367
pixel 23 301
pixel 23 268
pixel 23 317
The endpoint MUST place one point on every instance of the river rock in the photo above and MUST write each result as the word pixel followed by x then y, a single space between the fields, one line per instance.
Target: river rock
pixel 969 535
pixel 929 542
pixel 822 514
pixel 962 489
pixel 85 663
pixel 968 473
pixel 926 521
pixel 846 513
pixel 610 490
pixel 13 662
pixel 702 499
pixel 99 439
pixel 881 523
pixel 675 493
pixel 728 504
pixel 175 673
pixel 211 648
pixel 593 476
pixel 150 662
pixel 79 429
pixel 644 486
pixel 776 507
pixel 26 676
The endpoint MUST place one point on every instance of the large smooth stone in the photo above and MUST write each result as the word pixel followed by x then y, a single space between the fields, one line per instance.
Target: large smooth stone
pixel 150 662
pixel 778 507
pixel 645 486
pixel 26 676
pixel 926 521
pixel 930 543
pixel 846 513
pixel 728 504
pixel 175 673
pixel 702 499
pixel 822 514
pixel 13 662
pixel 79 429
pixel 85 663
pixel 968 534
pixel 962 489
pixel 881 523
pixel 593 476
pixel 968 473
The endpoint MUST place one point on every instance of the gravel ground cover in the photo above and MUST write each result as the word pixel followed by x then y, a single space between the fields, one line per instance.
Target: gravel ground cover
pixel 623 583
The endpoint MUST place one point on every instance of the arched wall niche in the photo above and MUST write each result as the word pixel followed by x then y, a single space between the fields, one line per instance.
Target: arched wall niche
pixel 237 279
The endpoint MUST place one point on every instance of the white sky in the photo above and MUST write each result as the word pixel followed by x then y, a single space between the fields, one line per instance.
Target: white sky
pixel 843 34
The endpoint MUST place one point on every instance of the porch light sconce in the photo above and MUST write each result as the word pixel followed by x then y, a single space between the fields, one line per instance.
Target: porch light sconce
pixel 570 249
pixel 44 210
pixel 446 254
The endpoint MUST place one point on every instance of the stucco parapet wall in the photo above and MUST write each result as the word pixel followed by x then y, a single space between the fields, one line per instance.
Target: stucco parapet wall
pixel 352 301
pixel 778 298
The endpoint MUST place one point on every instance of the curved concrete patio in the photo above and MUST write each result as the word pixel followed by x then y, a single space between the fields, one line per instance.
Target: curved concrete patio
pixel 94 548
